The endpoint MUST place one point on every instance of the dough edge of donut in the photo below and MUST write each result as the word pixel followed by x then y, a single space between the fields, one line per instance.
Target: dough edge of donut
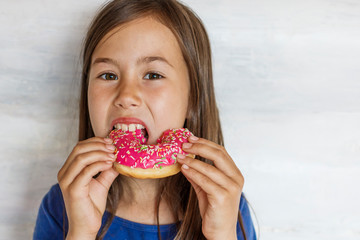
pixel 147 173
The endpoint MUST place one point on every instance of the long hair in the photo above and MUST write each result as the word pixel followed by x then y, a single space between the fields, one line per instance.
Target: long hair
pixel 203 117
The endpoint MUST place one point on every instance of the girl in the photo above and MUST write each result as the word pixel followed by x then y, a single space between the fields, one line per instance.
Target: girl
pixel 147 62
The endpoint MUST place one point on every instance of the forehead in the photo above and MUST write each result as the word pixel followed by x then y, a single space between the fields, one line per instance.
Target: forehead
pixel 142 36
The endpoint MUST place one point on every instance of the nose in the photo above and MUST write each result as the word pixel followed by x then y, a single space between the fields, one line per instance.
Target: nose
pixel 128 95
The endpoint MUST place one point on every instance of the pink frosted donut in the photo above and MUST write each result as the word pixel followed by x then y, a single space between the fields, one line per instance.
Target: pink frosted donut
pixel 135 159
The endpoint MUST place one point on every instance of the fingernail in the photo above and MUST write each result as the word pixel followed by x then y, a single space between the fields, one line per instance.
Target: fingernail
pixel 108 140
pixel 194 138
pixel 112 155
pixel 184 166
pixel 180 156
pixel 110 147
pixel 187 145
pixel 108 162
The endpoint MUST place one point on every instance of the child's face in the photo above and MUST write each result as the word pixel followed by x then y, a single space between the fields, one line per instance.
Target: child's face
pixel 138 73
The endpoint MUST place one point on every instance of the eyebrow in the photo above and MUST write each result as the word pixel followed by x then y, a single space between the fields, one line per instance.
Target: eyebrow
pixel 153 59
pixel 105 60
pixel 139 61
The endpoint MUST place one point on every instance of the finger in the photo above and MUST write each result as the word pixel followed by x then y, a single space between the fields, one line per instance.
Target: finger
pixel 208 170
pixel 91 144
pixel 87 174
pixel 88 145
pixel 215 194
pixel 106 178
pixel 194 139
pixel 202 182
pixel 200 194
pixel 208 143
pixel 82 161
pixel 217 154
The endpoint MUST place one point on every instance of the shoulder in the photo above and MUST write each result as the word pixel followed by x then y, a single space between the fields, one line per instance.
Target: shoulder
pixel 246 220
pixel 51 221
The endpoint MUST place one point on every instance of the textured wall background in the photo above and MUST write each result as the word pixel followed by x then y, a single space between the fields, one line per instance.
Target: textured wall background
pixel 287 81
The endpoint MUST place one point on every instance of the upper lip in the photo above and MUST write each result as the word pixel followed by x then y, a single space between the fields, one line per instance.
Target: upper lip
pixel 127 120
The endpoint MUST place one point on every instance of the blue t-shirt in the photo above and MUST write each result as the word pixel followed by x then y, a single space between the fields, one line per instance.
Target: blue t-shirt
pixel 52 223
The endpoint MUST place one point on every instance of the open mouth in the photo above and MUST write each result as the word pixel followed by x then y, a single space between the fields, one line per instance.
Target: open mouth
pixel 131 128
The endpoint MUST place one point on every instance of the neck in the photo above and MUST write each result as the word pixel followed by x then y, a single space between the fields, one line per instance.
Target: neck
pixel 139 201
pixel 140 191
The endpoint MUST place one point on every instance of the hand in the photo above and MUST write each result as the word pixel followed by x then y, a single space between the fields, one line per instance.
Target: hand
pixel 218 188
pixel 85 196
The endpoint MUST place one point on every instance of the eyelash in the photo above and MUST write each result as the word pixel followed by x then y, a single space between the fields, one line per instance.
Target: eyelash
pixel 102 76
pixel 159 76
pixel 147 76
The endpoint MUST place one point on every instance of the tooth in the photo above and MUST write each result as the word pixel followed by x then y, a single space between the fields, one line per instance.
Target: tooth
pixel 124 127
pixel 139 126
pixel 132 127
pixel 118 126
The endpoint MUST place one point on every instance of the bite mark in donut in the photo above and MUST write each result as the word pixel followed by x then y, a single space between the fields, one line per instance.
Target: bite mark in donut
pixel 135 159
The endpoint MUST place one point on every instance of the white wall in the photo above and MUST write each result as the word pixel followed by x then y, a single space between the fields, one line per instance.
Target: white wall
pixel 287 81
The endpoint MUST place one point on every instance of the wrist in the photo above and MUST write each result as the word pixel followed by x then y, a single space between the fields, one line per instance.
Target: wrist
pixel 229 236
pixel 80 236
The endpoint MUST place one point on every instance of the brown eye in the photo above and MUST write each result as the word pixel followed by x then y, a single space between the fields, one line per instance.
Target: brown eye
pixel 108 76
pixel 153 76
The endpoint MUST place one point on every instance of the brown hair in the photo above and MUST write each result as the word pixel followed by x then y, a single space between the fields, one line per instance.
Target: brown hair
pixel 203 117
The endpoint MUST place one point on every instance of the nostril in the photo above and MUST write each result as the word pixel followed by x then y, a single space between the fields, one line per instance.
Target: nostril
pixel 127 105
pixel 128 101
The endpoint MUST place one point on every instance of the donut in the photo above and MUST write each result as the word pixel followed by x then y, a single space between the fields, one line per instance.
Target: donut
pixel 136 159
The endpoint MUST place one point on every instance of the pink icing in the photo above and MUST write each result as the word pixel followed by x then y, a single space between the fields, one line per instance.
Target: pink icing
pixel 131 151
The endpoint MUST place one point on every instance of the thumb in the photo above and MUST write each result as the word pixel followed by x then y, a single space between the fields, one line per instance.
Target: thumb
pixel 106 178
pixel 202 197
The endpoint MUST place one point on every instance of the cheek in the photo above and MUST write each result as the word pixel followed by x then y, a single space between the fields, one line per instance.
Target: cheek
pixel 170 106
pixel 96 103
pixel 92 100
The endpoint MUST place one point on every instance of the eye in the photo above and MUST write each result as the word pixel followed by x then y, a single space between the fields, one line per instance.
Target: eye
pixel 108 76
pixel 152 76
